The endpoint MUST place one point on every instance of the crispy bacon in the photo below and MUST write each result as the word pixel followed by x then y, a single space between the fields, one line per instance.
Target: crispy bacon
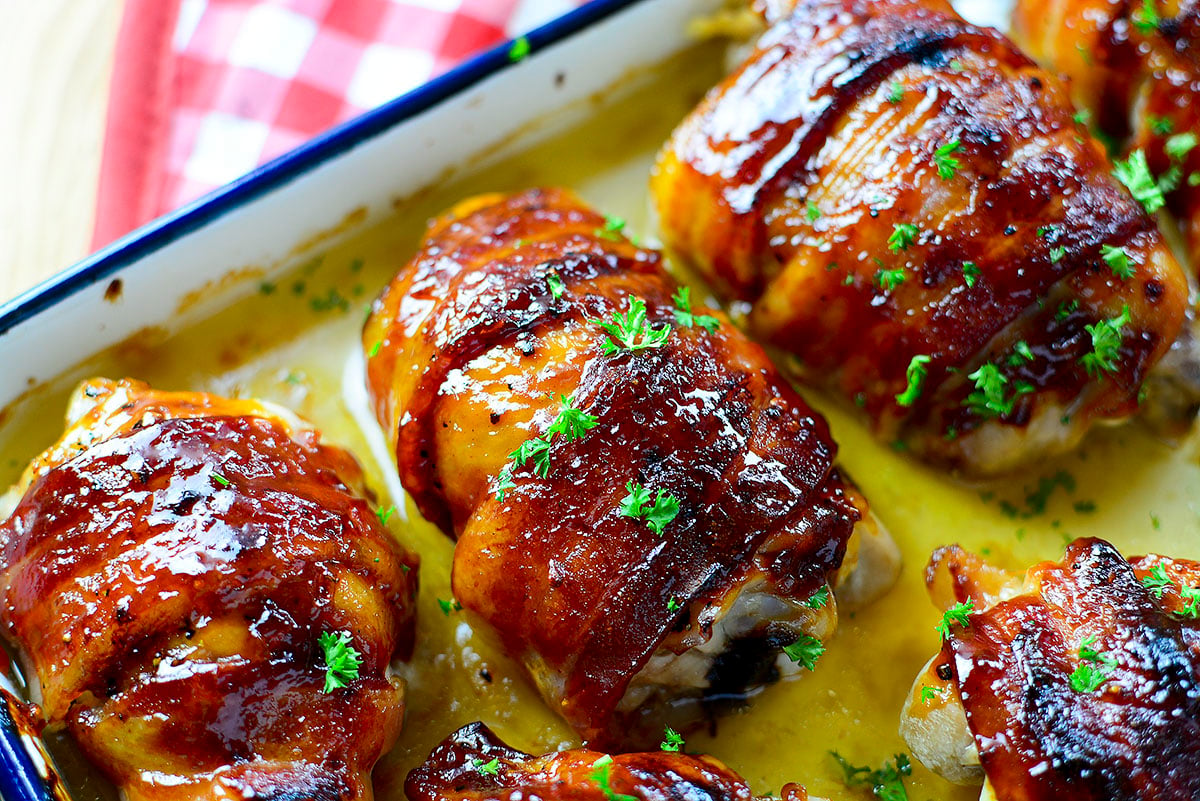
pixel 461 769
pixel 166 575
pixel 1137 72
pixel 471 355
pixel 1029 730
pixel 851 118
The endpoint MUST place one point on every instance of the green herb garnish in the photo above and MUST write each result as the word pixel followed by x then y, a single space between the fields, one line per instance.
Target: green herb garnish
pixel 903 235
pixel 657 514
pixel 959 614
pixel 341 659
pixel 805 651
pixel 916 377
pixel 630 331
pixel 1106 343
pixel 684 315
pixel 945 161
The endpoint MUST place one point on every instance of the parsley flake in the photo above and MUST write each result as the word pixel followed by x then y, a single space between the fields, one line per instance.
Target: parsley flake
pixel 341 659
pixel 385 514
pixel 1178 146
pixel 895 92
pixel 658 514
pixel 630 331
pixel 1146 18
pixel 916 377
pixel 1118 261
pixel 487 768
pixel 1022 354
pixel 449 606
pixel 613 226
pixel 890 279
pixel 887 783
pixel 1106 344
pixel 1057 254
pixel 1191 596
pixel 818 598
pixel 1158 581
pixel 684 315
pixel 970 273
pixel 814 213
pixel 673 604
pixel 672 740
pixel 371 354
pixel 1094 668
pixel 805 651
pixel 929 693
pixel 1134 172
pixel 959 614
pixel 602 768
pixel 570 424
pixel 903 235
pixel 220 479
pixel 991 398
pixel 519 49
pixel 557 287
pixel 945 161
pixel 1162 126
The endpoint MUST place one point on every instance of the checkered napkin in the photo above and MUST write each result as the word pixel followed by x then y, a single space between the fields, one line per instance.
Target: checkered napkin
pixel 205 90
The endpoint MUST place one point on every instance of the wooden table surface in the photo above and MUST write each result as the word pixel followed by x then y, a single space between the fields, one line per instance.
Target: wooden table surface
pixel 55 64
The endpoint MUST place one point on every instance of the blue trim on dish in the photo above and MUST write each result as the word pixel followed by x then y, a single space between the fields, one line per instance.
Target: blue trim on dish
pixel 170 227
pixel 19 777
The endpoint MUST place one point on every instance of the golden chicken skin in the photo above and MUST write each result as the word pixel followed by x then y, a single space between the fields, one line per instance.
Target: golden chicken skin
pixel 1078 680
pixel 905 204
pixel 474 765
pixel 208 604
pixel 646 513
pixel 1134 68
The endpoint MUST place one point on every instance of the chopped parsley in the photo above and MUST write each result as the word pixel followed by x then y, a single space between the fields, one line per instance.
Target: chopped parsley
pixel 613 226
pixel 903 235
pixel 970 273
pixel 1022 354
pixel 449 606
pixel 1146 18
pixel 658 515
pixel 929 693
pixel 672 740
pixel 631 331
pixel 1065 310
pixel 1118 260
pixel 889 279
pixel 557 287
pixel 385 514
pixel 1083 117
pixel 684 315
pixel 220 479
pixel 374 351
pixel 1094 668
pixel 1135 173
pixel 818 598
pixel 1106 344
pixel 959 614
pixel 341 659
pixel 519 49
pixel 1158 581
pixel 887 783
pixel 570 424
pixel 1057 254
pixel 1191 598
pixel 805 651
pixel 673 604
pixel 487 768
pixel 600 775
pixel 945 161
pixel 1162 126
pixel 991 398
pixel 916 377
pixel 895 92
pixel 1178 146
pixel 814 213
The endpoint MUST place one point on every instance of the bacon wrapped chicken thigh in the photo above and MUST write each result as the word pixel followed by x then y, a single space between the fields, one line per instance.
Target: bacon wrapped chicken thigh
pixel 206 601
pixel 646 513
pixel 473 764
pixel 907 205
pixel 1077 681
pixel 1134 69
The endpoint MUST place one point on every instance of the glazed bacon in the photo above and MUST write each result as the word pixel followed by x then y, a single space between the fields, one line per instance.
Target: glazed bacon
pixel 1135 67
pixel 1078 681
pixel 471 354
pixel 166 574
pixel 910 209
pixel 452 773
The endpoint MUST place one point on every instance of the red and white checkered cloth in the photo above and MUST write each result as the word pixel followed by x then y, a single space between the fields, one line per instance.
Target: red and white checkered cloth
pixel 205 90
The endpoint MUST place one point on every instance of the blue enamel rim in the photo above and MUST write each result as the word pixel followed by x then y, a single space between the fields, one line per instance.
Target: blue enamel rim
pixel 19 778
pixel 168 228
